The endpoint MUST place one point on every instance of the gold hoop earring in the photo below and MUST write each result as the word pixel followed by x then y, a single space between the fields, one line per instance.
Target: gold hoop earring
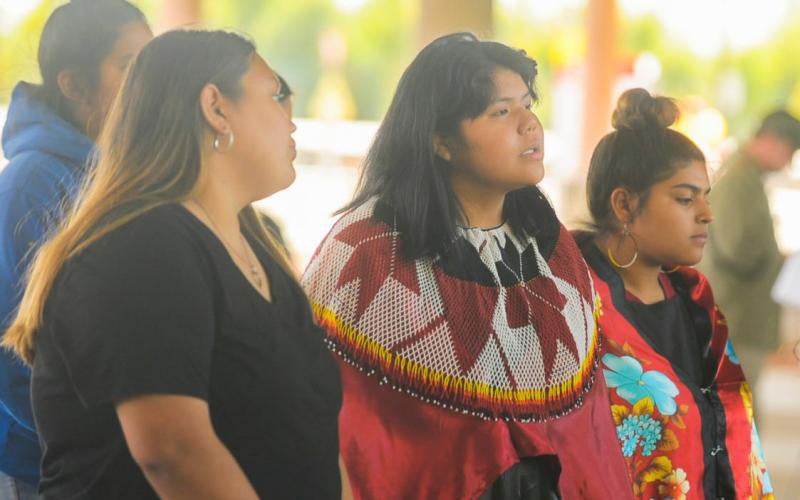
pixel 625 234
pixel 230 142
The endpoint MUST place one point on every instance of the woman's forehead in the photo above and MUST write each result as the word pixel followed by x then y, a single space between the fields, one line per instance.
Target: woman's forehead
pixel 260 73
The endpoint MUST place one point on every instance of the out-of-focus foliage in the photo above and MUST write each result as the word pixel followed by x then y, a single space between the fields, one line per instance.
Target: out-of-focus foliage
pixel 18 50
pixel 18 47
pixel 769 74
pixel 381 37
pixel 555 46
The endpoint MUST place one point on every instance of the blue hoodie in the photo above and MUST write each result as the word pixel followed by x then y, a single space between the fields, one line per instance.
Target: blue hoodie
pixel 46 164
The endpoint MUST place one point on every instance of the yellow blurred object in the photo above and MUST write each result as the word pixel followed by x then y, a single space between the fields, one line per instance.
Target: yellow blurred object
pixel 793 104
pixel 705 125
pixel 332 99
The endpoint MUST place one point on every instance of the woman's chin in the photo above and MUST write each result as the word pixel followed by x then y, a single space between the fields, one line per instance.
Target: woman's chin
pixel 688 260
pixel 535 174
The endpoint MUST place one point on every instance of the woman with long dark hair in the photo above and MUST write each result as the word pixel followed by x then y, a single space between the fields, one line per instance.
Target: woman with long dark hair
pixel 51 127
pixel 173 352
pixel 460 304
pixel 680 403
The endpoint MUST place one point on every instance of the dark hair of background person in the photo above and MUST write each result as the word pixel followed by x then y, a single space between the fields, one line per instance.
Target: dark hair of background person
pixel 783 125
pixel 145 163
pixel 77 37
pixel 449 81
pixel 640 152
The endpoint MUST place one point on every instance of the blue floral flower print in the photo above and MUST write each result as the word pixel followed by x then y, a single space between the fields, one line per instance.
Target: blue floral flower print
pixel 757 461
pixel 634 384
pixel 639 429
pixel 731 353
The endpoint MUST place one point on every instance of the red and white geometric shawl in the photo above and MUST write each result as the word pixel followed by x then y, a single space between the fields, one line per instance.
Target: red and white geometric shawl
pixel 503 329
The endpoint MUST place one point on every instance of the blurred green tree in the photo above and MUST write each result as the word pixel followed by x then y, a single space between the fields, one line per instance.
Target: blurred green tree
pixel 381 38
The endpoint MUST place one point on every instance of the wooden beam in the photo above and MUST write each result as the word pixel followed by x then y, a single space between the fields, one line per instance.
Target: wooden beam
pixel 601 68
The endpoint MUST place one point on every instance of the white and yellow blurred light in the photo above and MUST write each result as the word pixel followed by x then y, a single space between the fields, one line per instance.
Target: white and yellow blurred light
pixel 350 6
pixel 705 125
pixel 708 27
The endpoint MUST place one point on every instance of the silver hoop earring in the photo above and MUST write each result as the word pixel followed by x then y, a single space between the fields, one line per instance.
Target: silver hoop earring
pixel 230 142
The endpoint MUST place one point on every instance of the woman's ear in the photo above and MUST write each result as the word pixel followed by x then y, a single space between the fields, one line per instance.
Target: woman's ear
pixel 441 149
pixel 624 204
pixel 73 86
pixel 213 105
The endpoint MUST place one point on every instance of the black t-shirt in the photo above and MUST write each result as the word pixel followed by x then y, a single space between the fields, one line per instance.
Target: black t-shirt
pixel 158 307
pixel 668 326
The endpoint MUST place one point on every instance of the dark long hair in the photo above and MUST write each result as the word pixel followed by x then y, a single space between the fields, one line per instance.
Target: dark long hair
pixel 151 154
pixel 640 152
pixel 449 81
pixel 78 36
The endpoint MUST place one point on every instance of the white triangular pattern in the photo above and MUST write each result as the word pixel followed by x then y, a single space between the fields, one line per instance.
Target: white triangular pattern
pixel 392 314
pixel 544 269
pixel 578 313
pixel 489 367
pixel 490 256
pixel 396 313
pixel 478 239
pixel 360 213
pixel 431 305
pixel 522 349
pixel 435 349
pixel 333 257
pixel 342 304
pixel 520 246
pixel 565 366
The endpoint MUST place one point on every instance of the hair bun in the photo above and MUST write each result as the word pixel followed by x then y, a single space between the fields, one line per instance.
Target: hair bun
pixel 637 108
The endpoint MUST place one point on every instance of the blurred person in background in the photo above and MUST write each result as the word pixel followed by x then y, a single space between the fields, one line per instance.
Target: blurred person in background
pixel 174 353
pixel 743 259
pixel 460 307
pixel 679 398
pixel 84 50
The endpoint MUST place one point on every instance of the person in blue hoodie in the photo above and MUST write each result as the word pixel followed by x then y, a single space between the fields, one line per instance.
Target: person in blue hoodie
pixel 85 48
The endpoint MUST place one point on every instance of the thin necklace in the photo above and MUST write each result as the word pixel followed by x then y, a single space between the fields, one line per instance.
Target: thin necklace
pixel 255 275
pixel 520 276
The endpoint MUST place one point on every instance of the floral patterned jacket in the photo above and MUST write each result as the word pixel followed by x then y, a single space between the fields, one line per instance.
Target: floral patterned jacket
pixel 681 441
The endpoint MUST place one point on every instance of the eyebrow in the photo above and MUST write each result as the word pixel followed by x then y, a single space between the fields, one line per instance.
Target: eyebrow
pixel 511 99
pixel 691 187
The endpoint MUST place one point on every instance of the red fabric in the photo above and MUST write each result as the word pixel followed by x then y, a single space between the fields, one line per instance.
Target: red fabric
pixel 467 360
pixel 655 476
pixel 523 349
pixel 399 447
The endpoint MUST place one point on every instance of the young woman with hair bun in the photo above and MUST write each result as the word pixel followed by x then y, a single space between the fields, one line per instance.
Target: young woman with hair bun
pixel 679 399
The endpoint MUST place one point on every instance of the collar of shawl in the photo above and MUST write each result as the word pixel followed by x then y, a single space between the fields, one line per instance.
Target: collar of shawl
pixel 497 330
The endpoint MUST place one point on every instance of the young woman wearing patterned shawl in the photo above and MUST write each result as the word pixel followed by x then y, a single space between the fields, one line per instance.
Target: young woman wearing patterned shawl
pixel 461 309
pixel 681 405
